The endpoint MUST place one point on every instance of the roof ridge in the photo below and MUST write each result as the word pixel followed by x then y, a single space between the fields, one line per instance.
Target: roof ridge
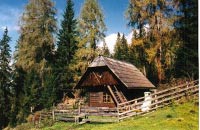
pixel 120 61
pixel 104 61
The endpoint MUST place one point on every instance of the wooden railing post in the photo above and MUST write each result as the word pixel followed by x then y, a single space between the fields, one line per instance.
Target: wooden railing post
pixel 40 118
pixel 156 100
pixel 118 112
pixel 79 107
pixel 53 114
pixel 135 101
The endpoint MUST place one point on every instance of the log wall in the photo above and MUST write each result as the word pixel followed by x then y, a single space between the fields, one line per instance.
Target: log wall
pixel 96 98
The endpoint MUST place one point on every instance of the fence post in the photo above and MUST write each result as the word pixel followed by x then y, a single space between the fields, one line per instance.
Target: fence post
pixel 79 107
pixel 135 107
pixel 187 83
pixel 53 114
pixel 118 112
pixel 40 118
pixel 156 100
pixel 135 103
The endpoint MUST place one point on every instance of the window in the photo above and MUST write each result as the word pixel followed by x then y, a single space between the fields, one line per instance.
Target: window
pixel 107 98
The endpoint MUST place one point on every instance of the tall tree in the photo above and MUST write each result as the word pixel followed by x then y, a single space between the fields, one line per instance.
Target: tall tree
pixel 91 31
pixel 91 23
pixel 137 50
pixel 35 50
pixel 36 43
pixel 117 47
pixel 105 50
pixel 121 48
pixel 67 45
pixel 5 80
pixel 124 48
pixel 187 30
pixel 17 114
pixel 137 16
pixel 156 17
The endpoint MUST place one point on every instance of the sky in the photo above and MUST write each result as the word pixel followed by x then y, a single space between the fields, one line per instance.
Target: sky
pixel 114 12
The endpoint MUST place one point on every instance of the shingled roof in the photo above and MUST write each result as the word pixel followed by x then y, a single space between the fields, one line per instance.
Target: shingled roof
pixel 127 73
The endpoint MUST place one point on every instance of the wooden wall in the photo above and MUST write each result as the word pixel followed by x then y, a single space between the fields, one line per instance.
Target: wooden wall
pixel 99 77
pixel 96 98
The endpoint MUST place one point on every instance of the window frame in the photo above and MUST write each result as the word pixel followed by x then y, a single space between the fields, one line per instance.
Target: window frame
pixel 107 98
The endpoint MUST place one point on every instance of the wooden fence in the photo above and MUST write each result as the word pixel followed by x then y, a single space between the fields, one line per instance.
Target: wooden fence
pixel 127 109
pixel 157 100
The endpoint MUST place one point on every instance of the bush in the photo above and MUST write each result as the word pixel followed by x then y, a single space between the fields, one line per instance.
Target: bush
pixel 46 123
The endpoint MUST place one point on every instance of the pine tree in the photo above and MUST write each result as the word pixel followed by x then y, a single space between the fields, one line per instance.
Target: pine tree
pixel 105 50
pixel 36 43
pixel 117 47
pixel 67 45
pixel 124 49
pixel 157 18
pixel 133 54
pixel 91 23
pixel 35 52
pixel 137 16
pixel 121 48
pixel 137 50
pixel 187 30
pixel 5 80
pixel 67 36
pixel 91 29
pixel 17 115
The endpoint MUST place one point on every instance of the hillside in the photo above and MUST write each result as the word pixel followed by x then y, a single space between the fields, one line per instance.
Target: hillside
pixel 182 116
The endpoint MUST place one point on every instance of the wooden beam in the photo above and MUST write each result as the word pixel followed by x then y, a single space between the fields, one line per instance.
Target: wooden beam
pixel 96 77
pixel 120 94
pixel 113 95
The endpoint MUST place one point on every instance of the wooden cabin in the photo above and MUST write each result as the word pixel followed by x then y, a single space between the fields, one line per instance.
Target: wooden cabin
pixel 110 82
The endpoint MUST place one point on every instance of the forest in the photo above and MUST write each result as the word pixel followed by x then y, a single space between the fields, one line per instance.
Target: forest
pixel 48 61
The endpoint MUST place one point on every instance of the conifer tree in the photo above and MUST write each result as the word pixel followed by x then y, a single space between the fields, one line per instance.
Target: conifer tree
pixel 156 17
pixel 187 30
pixel 105 50
pixel 117 47
pixel 91 23
pixel 137 52
pixel 35 52
pixel 36 43
pixel 67 36
pixel 67 45
pixel 18 77
pixel 121 48
pixel 5 80
pixel 124 49
pixel 137 16
pixel 91 29
pixel 17 115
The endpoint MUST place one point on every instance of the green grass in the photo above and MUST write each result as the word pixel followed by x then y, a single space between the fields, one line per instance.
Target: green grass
pixel 175 117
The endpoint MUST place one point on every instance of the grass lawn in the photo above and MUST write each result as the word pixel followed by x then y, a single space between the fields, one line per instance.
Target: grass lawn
pixel 175 117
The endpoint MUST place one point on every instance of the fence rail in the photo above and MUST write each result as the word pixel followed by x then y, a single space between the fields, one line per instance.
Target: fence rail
pixel 157 100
